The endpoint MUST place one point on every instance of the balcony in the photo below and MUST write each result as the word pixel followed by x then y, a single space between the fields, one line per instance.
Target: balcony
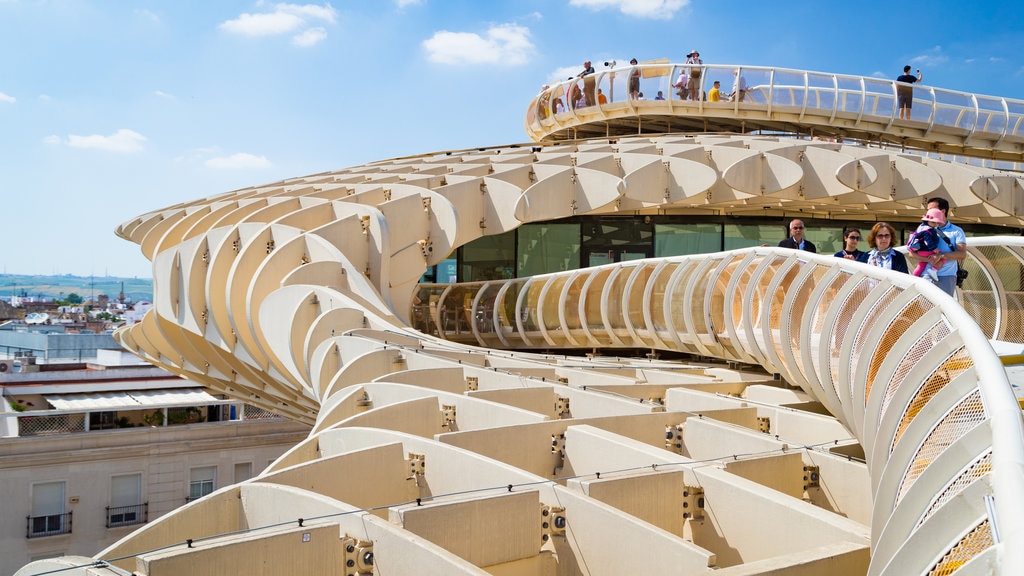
pixel 127 515
pixel 51 525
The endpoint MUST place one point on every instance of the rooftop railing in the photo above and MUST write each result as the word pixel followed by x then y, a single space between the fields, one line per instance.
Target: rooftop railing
pixel 780 97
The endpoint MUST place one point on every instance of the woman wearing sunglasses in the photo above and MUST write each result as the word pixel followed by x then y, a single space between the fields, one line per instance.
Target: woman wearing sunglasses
pixel 881 238
pixel 851 237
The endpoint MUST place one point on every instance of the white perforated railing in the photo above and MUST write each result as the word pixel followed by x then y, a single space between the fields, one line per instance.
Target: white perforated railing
pixel 780 98
pixel 894 358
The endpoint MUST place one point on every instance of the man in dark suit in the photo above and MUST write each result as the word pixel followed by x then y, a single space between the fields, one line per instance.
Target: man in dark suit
pixel 796 239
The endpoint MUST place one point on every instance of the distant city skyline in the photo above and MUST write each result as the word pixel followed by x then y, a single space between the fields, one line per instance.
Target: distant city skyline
pixel 114 109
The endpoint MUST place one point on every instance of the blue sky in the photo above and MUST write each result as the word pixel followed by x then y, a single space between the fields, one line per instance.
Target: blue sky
pixel 110 109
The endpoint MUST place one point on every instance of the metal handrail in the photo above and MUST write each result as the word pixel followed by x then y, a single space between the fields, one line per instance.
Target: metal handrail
pixel 48 525
pixel 806 96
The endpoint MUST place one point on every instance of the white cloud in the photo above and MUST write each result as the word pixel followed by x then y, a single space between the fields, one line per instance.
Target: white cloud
pixel 123 140
pixel 325 13
pixel 505 44
pixel 309 37
pixel 284 19
pixel 262 24
pixel 6 98
pixel 932 58
pixel 163 94
pixel 404 3
pixel 238 161
pixel 638 8
pixel 147 15
pixel 564 73
pixel 52 140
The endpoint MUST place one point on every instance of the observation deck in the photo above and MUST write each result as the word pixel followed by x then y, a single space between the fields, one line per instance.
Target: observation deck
pixel 783 100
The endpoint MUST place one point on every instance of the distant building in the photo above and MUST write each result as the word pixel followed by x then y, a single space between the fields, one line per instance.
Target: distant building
pixel 88 454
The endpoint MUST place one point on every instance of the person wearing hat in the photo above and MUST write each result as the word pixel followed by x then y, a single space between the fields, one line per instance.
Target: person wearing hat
pixel 953 248
pixel 693 82
pixel 925 241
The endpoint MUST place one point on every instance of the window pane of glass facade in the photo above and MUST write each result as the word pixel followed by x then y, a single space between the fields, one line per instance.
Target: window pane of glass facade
pixel 490 258
pixel 548 248
pixel 829 240
pixel 682 239
pixel 747 235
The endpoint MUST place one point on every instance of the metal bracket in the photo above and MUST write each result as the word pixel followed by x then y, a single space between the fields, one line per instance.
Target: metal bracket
pixel 812 477
pixel 693 502
pixel 358 557
pixel 558 444
pixel 552 522
pixel 472 383
pixel 674 438
pixel 417 466
pixel 764 424
pixel 448 417
pixel 562 407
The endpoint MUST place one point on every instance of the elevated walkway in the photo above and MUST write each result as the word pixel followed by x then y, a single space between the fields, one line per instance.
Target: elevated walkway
pixel 834 106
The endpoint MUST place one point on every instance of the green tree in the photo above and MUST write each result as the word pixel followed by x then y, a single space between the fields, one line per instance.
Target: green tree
pixel 74 298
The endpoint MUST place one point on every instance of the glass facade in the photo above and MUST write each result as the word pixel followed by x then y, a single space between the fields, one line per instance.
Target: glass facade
pixel 584 241
pixel 489 258
pixel 683 239
pixel 547 247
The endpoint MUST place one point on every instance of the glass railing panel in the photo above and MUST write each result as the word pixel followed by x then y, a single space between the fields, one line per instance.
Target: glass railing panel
pixel 612 85
pixel 507 311
pixel 991 116
pixel 759 82
pixel 528 312
pixel 1016 119
pixel 572 303
pixel 821 92
pixel 788 89
pixel 953 109
pixel 614 300
pixel 425 298
pixel 851 96
pixel 658 290
pixel 484 312
pixel 551 305
pixel 635 298
pixel 880 99
pixel 592 303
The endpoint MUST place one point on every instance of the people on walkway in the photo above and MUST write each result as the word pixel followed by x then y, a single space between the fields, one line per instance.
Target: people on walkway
pixel 660 96
pixel 851 239
pixel 634 80
pixel 796 238
pixel 739 87
pixel 882 254
pixel 694 64
pixel 601 98
pixel 680 84
pixel 716 92
pixel 953 238
pixel 926 241
pixel 589 84
pixel 905 94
